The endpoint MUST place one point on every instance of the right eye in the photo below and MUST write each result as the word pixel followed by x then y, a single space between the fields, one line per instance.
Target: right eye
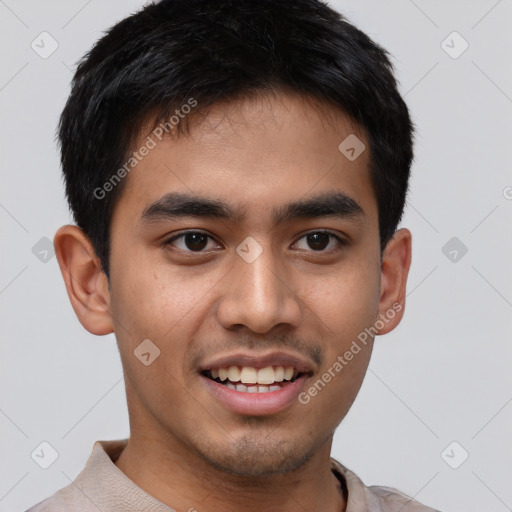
pixel 191 241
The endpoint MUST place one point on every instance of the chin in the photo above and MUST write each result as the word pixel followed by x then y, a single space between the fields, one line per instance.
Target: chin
pixel 257 457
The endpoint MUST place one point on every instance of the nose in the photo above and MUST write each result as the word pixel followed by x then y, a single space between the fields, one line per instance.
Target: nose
pixel 259 295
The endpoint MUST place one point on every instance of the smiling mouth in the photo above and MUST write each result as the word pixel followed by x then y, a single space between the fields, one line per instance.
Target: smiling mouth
pixel 247 379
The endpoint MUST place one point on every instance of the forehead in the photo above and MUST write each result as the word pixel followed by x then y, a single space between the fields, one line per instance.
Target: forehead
pixel 254 153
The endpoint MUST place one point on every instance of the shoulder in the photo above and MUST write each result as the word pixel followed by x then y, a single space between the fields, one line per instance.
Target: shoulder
pixel 391 500
pixel 87 490
pixel 64 500
pixel 375 498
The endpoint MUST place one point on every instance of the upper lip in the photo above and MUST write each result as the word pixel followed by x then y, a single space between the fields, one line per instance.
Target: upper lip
pixel 259 361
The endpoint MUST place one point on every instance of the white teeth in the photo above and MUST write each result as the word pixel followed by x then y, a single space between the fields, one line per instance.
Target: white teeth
pixel 252 389
pixel 288 373
pixel 233 373
pixel 266 375
pixel 248 375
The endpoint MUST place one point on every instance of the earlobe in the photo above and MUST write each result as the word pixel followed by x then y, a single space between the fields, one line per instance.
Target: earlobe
pixel 396 261
pixel 86 283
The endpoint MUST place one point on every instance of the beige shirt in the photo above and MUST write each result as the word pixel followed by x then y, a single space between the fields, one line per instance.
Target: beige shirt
pixel 103 487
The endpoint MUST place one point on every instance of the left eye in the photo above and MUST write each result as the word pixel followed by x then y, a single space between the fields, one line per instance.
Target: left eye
pixel 192 241
pixel 319 241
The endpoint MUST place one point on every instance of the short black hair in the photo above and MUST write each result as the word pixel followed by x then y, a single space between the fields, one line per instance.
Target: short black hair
pixel 154 61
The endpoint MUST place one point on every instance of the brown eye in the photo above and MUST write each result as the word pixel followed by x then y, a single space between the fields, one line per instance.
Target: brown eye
pixel 192 241
pixel 195 241
pixel 318 241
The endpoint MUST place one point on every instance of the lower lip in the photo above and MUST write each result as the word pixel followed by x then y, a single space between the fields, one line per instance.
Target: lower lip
pixel 253 404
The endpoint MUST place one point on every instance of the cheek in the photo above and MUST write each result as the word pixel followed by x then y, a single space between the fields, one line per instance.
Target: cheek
pixel 343 313
pixel 161 303
pixel 149 297
pixel 331 394
pixel 344 302
pixel 148 307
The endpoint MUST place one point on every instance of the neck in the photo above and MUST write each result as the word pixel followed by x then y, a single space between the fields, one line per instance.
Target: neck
pixel 184 481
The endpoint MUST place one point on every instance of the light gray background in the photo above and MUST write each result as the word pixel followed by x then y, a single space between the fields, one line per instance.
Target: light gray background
pixel 443 375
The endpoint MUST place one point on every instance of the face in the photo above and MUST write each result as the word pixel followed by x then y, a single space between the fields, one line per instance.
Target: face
pixel 247 251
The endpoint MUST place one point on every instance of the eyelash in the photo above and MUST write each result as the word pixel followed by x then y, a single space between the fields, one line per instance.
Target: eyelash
pixel 340 241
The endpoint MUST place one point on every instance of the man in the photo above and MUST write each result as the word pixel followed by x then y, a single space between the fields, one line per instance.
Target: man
pixel 237 171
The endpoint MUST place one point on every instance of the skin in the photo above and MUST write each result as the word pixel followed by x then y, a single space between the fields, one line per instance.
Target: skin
pixel 185 448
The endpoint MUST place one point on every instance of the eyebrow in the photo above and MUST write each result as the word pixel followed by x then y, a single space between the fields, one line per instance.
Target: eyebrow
pixel 177 205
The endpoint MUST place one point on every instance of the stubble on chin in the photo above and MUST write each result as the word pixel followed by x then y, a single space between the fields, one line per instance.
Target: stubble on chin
pixel 253 455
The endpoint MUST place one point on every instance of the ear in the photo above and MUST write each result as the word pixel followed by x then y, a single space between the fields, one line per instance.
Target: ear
pixel 396 260
pixel 86 283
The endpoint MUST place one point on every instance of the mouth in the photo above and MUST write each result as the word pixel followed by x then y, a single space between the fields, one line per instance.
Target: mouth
pixel 248 379
pixel 247 384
